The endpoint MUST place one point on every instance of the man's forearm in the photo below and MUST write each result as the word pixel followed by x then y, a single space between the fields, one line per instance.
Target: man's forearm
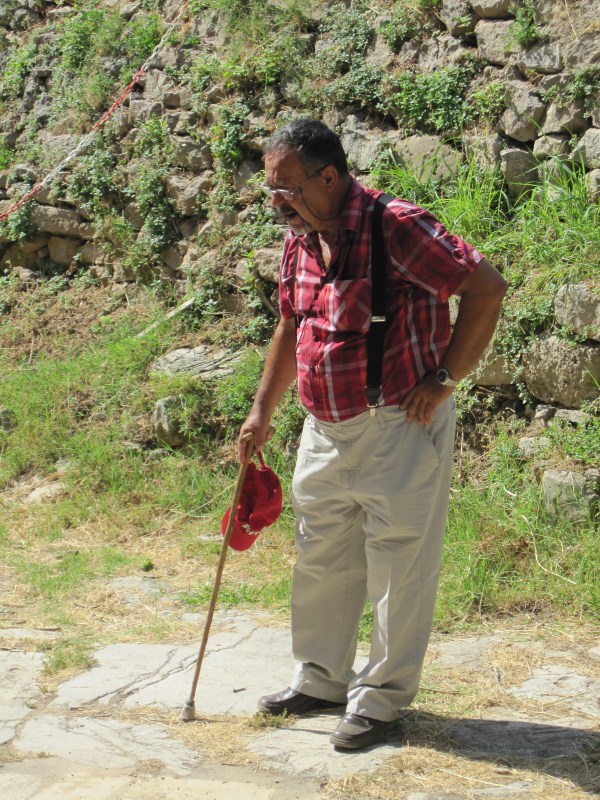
pixel 278 375
pixel 279 371
pixel 481 298
pixel 478 313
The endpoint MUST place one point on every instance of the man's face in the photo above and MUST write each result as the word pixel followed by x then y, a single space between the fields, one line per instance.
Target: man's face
pixel 284 170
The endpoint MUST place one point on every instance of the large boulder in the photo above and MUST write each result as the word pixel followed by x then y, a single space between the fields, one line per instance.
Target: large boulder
pixel 570 494
pixel 543 58
pixel 520 170
pixel 588 149
pixel 200 362
pixel 565 115
pixel 491 9
pixel 492 40
pixel 556 371
pixel 61 222
pixel 63 249
pixel 457 16
pixel 186 191
pixel 191 154
pixel 439 51
pixel 524 112
pixel 427 156
pixel 578 307
pixel 361 142
pixel 551 145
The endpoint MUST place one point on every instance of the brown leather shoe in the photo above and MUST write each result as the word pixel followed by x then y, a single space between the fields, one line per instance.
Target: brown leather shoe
pixel 292 702
pixel 356 731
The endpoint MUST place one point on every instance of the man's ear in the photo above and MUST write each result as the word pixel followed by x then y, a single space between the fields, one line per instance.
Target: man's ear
pixel 330 176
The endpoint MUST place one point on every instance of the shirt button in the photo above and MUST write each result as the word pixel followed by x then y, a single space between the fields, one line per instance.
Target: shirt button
pixel 315 338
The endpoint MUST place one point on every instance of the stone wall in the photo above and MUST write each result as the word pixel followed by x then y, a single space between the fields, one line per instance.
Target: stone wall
pixel 544 119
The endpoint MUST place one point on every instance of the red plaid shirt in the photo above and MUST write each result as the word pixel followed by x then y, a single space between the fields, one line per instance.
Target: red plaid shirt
pixel 425 266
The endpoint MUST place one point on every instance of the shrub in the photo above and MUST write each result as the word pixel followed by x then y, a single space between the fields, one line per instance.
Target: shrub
pixel 77 41
pixel 92 179
pixel 142 36
pixel 227 136
pixel 432 101
pixel 350 34
pixel 487 103
pixel 360 87
pixel 18 67
pixel 405 24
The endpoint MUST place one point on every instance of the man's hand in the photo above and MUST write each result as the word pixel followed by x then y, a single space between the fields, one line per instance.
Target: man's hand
pixel 424 398
pixel 260 429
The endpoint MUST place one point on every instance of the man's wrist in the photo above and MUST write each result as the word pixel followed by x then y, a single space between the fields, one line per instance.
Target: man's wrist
pixel 444 378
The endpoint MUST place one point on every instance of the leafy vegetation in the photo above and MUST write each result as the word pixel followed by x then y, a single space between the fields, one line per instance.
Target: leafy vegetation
pixel 523 32
pixel 89 402
pixel 431 101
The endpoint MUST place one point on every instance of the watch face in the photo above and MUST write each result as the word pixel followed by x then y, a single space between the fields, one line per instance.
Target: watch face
pixel 443 375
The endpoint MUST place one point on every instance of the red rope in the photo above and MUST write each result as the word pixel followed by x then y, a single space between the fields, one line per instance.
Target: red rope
pixel 101 122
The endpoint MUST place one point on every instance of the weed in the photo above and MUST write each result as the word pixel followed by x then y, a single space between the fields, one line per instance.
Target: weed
pixel 234 394
pixel 523 32
pixel 578 442
pixel 142 36
pixel 261 722
pixel 78 37
pixel 359 87
pixel 157 210
pixel 488 103
pixel 153 141
pixel 6 157
pixel 584 85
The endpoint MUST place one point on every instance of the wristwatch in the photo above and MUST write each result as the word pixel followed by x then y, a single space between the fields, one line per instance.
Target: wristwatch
pixel 444 378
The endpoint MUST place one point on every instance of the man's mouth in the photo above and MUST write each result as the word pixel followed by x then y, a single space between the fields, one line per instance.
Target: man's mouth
pixel 288 213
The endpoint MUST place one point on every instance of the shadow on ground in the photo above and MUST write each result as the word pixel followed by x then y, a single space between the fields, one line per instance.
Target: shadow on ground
pixel 567 753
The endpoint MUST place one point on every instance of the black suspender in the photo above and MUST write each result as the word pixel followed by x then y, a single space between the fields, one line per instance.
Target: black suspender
pixel 376 335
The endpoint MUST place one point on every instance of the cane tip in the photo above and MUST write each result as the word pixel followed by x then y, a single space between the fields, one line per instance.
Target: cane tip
pixel 188 712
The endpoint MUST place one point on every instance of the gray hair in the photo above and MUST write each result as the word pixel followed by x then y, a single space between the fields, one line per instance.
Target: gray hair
pixel 315 143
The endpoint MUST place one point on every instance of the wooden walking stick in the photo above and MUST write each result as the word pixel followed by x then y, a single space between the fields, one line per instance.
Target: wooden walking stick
pixel 188 712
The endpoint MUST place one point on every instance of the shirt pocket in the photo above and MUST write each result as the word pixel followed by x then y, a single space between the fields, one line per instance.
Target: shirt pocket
pixel 347 305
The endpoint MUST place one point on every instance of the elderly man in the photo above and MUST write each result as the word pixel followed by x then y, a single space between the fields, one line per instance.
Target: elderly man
pixel 372 479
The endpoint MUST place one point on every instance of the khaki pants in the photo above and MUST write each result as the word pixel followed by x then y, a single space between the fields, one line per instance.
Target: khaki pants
pixel 371 497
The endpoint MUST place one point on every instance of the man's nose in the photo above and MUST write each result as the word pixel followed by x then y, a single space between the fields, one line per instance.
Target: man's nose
pixel 277 200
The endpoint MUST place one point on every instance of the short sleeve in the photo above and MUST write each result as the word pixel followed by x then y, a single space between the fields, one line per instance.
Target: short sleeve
pixel 424 252
pixel 286 289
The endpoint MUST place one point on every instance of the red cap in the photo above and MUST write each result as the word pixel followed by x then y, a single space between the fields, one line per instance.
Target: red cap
pixel 259 506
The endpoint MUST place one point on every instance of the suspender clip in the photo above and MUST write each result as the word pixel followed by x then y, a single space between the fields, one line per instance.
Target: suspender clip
pixel 372 393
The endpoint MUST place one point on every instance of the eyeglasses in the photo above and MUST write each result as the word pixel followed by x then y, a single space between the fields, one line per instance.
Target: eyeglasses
pixel 289 194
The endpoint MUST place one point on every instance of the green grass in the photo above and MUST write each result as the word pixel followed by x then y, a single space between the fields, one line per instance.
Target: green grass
pixel 71 654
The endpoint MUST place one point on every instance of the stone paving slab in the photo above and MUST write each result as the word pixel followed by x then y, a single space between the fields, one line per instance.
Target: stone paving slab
pixel 115 745
pixel 556 682
pixel 58 779
pixel 16 634
pixel 18 689
pixel 468 652
pixel 243 661
pixel 304 749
